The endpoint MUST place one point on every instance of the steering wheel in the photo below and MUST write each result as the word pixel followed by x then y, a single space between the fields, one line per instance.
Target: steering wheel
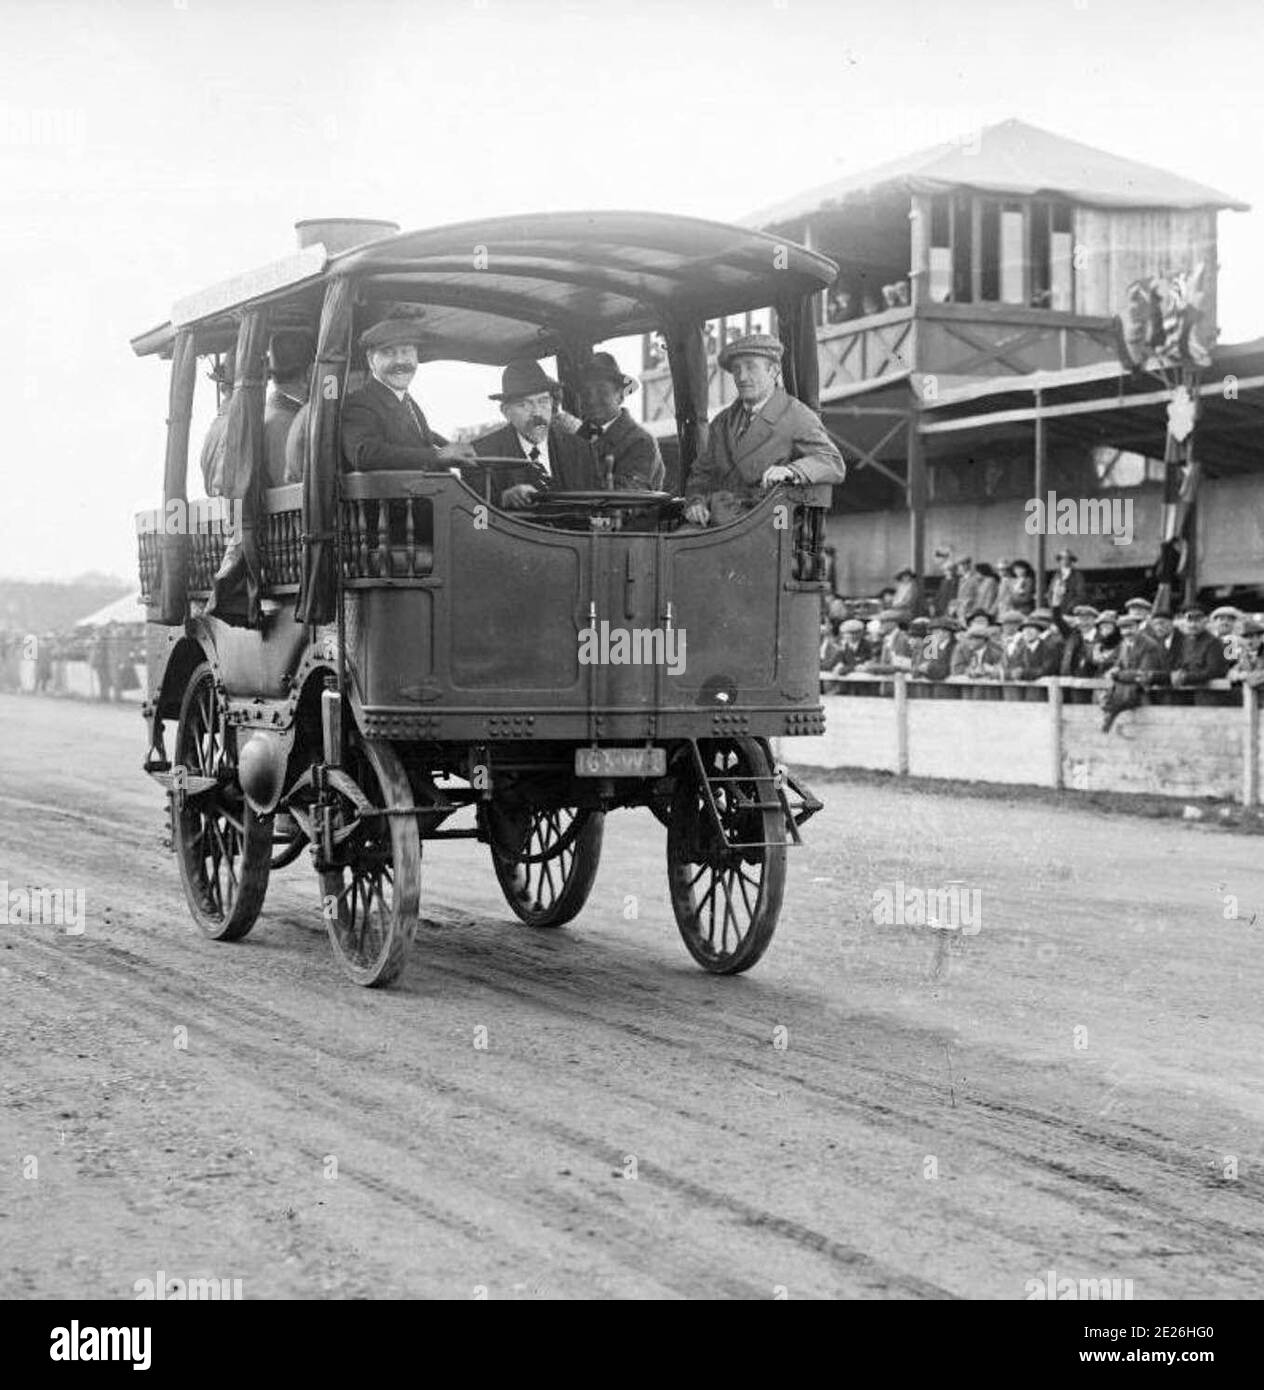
pixel 604 509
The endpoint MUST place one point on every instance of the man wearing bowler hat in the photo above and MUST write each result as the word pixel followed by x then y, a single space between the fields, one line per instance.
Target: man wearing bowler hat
pixel 553 459
pixel 625 455
pixel 382 426
pixel 763 438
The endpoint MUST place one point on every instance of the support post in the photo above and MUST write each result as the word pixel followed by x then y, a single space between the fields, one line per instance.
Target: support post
pixel 916 490
pixel 901 725
pixel 1250 746
pixel 1055 733
pixel 1038 490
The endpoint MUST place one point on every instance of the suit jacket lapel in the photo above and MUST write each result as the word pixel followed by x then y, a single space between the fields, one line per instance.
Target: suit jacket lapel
pixel 757 433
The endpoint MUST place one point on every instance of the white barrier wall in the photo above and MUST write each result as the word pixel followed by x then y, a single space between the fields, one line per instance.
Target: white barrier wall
pixel 1034 735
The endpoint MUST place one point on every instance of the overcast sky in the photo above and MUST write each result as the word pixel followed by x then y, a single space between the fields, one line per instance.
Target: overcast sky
pixel 151 147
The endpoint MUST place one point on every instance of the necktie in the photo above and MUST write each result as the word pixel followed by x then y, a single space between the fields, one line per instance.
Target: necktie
pixel 539 477
pixel 591 430
pixel 743 423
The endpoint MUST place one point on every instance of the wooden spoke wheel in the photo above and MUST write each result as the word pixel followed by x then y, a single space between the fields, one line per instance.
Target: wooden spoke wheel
pixel 371 889
pixel 288 839
pixel 546 861
pixel 726 888
pixel 222 846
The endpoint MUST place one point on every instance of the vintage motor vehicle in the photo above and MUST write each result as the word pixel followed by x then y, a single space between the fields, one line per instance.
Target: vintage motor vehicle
pixel 387 651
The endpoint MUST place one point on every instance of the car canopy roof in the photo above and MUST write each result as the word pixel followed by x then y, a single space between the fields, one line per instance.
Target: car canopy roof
pixel 522 286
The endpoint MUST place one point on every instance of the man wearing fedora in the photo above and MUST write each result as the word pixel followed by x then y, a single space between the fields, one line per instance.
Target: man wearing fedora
pixel 763 438
pixel 1067 587
pixel 552 457
pixel 382 426
pixel 625 455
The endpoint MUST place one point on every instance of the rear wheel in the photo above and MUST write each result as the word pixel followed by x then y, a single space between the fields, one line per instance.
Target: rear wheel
pixel 726 888
pixel 371 887
pixel 546 861
pixel 222 846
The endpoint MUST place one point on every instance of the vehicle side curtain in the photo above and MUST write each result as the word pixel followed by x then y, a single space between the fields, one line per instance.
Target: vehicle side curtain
pixel 800 369
pixel 317 598
pixel 236 594
pixel 175 547
pixel 687 357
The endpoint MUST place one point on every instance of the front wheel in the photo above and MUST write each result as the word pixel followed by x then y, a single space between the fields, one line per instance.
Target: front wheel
pixel 726 880
pixel 545 861
pixel 222 846
pixel 371 885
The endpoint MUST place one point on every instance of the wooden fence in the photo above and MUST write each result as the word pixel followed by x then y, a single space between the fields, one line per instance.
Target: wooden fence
pixel 1189 743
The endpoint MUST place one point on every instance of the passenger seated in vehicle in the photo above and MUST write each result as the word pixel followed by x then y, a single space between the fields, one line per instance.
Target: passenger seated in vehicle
pixel 213 445
pixel 382 426
pixel 763 438
pixel 290 358
pixel 552 457
pixel 625 456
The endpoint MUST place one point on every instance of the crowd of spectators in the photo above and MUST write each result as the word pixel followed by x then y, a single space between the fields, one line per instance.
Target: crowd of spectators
pixel 983 624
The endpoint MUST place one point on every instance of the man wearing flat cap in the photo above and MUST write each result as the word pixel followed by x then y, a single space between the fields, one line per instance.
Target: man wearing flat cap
pixel 1248 669
pixel 763 438
pixel 625 455
pixel 1197 655
pixel 1067 587
pixel 553 459
pixel 382 426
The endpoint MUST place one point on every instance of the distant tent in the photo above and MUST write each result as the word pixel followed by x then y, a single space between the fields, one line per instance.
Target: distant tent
pixel 128 609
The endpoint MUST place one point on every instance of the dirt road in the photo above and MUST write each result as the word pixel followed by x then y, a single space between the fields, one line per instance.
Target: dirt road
pixel 878 1109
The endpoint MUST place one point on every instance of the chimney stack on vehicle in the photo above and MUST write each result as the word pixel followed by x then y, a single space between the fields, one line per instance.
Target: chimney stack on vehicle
pixel 342 233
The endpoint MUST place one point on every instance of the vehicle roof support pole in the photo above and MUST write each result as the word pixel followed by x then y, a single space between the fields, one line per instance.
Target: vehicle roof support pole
pixel 687 356
pixel 318 594
pixel 175 547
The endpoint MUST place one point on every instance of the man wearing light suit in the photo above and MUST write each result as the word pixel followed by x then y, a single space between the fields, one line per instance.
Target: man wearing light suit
pixel 763 438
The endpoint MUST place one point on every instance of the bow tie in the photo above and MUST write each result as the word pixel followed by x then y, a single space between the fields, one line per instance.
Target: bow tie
pixel 592 430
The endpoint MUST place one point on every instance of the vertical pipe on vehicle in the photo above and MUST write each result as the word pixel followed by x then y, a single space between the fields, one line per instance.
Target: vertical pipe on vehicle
pixel 174 548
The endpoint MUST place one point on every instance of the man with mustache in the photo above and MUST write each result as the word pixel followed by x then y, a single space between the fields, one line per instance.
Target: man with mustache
pixel 553 459
pixel 383 428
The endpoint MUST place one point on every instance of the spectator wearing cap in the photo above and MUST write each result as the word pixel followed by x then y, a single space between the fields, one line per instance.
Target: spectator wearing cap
pixel 625 455
pixel 764 438
pixel 895 649
pixel 1142 663
pixel 934 660
pixel 849 651
pixel 1029 657
pixel 1223 623
pixel 1140 608
pixel 290 358
pixel 383 428
pixel 1197 654
pixel 1010 620
pixel 1104 648
pixel 1077 640
pixel 1067 587
pixel 1248 669
pixel 1050 637
pixel 908 593
pixel 977 655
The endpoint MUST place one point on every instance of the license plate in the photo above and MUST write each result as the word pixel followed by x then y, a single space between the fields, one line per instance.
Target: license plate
pixel 620 762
